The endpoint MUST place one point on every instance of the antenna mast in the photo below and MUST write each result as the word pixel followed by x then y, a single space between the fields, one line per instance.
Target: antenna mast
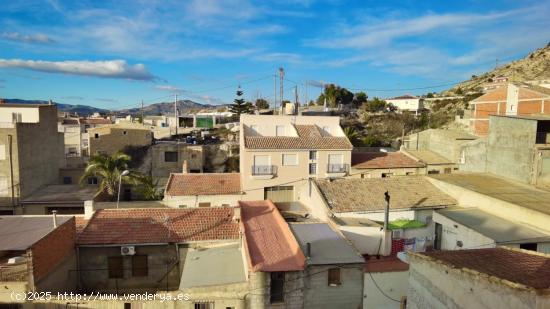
pixel 281 78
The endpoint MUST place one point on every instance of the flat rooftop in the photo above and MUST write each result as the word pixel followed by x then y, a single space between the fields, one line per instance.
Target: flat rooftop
pixel 61 194
pixel 21 232
pixel 499 188
pixel 500 230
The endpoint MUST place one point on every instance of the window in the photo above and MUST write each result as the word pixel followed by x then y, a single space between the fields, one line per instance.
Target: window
pixel 313 168
pixel 67 180
pixel 386 175
pixel 16 117
pixel 276 289
pixel 124 132
pixel 127 305
pixel 290 159
pixel 529 246
pixel 170 156
pixel 447 170
pixel 438 235
pixel 204 305
pixel 313 155
pixel 280 130
pixel 92 180
pixel 205 204
pixel 433 172
pixel 139 266
pixel 96 135
pixel 2 152
pixel 4 186
pixel 115 267
pixel 334 277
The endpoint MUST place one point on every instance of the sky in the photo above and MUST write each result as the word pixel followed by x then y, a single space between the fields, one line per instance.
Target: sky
pixel 114 54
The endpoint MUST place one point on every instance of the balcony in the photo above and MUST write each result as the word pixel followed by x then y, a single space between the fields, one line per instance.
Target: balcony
pixel 264 171
pixel 337 170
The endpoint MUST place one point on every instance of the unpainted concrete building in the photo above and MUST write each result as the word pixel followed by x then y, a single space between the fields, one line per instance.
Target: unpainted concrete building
pixel 31 151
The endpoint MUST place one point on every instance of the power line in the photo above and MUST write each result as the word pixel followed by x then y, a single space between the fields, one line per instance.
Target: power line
pixel 380 290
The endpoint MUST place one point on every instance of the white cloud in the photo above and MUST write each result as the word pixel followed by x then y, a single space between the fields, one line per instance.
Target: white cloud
pixel 105 69
pixel 261 30
pixel 26 38
pixel 280 58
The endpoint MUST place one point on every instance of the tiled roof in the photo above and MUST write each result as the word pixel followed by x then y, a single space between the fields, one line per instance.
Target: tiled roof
pixel 526 92
pixel 428 157
pixel 383 160
pixel 80 223
pixel 518 266
pixel 309 137
pixel 269 242
pixel 356 194
pixel 382 264
pixel 203 184
pixel 159 225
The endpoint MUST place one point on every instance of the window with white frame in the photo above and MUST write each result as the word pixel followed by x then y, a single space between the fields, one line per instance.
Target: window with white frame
pixel 290 159
pixel 280 130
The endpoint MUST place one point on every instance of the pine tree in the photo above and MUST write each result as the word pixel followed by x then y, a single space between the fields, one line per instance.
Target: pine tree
pixel 239 105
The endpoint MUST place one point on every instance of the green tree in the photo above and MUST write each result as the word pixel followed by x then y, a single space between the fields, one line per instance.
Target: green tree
pixel 109 169
pixel 375 105
pixel 148 188
pixel 359 98
pixel 335 95
pixel 239 105
pixel 352 135
pixel 262 103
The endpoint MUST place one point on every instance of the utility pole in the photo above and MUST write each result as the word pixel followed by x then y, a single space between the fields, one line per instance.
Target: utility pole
pixel 176 112
pixel 296 99
pixel 281 77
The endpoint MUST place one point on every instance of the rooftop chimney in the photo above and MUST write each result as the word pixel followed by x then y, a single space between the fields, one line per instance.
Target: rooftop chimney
pixel 237 214
pixel 88 209
pixel 54 215
pixel 185 167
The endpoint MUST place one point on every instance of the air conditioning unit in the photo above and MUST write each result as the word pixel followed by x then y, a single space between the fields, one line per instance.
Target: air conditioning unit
pixel 127 250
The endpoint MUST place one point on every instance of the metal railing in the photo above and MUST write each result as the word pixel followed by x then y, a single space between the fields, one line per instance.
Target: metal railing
pixel 337 168
pixel 259 170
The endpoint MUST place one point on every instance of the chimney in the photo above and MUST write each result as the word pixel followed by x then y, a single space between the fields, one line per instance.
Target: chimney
pixel 54 215
pixel 308 250
pixel 88 209
pixel 185 167
pixel 237 214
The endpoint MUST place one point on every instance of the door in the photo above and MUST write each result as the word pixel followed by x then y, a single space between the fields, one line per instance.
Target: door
pixel 279 194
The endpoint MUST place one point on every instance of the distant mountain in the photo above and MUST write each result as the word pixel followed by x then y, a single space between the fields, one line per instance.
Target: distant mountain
pixel 163 108
pixel 167 108
pixel 535 66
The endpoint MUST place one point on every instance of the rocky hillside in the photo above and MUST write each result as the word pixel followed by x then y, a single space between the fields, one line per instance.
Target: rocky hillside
pixel 167 108
pixel 535 66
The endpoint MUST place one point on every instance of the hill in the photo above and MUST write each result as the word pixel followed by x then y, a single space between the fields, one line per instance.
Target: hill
pixel 165 108
pixel 535 66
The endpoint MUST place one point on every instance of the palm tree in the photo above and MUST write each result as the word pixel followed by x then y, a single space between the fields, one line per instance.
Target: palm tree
pixel 351 134
pixel 109 169
pixel 149 188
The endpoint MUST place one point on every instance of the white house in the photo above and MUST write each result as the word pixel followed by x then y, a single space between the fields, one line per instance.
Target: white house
pixel 408 103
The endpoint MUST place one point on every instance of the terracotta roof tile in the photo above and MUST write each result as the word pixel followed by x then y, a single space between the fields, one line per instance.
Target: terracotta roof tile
pixel 270 244
pixel 309 137
pixel 356 194
pixel 95 121
pixel 526 92
pixel 159 225
pixel 81 223
pixel 383 160
pixel 384 264
pixel 518 266
pixel 203 184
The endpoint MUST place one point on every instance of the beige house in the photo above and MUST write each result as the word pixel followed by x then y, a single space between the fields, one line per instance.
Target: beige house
pixel 31 151
pixel 482 278
pixel 112 138
pixel 435 163
pixel 278 154
pixel 185 190
pixel 384 164
pixel 169 157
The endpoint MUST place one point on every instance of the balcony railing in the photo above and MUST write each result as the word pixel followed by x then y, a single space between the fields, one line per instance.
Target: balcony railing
pixel 262 170
pixel 337 168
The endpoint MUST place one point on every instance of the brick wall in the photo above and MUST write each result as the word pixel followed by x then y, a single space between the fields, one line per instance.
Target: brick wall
pixel 530 107
pixel 51 250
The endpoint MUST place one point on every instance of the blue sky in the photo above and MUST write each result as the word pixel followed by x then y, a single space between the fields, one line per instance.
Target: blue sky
pixel 115 54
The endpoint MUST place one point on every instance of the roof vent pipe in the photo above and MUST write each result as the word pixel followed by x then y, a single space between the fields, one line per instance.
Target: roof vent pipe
pixel 54 215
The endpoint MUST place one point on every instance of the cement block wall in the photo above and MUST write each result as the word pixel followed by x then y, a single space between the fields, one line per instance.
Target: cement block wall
pixel 510 147
pixel 394 284
pixel 474 156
